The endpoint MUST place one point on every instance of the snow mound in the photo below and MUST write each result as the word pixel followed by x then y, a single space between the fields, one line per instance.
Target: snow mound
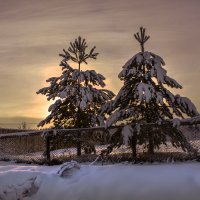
pixel 117 182
pixel 18 186
pixel 68 168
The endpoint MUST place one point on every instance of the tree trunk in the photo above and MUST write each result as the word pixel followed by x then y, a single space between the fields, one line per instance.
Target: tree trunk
pixel 79 119
pixel 151 143
pixel 133 147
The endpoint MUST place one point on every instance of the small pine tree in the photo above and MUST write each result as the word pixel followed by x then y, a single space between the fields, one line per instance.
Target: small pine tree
pixel 145 98
pixel 77 97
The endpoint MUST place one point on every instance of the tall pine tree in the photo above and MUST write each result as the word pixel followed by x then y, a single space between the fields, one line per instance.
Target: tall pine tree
pixel 145 98
pixel 76 92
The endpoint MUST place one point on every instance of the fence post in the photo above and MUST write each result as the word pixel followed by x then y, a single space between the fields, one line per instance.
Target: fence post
pixel 79 143
pixel 48 154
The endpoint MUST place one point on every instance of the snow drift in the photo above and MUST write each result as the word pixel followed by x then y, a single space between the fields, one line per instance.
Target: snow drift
pixel 117 182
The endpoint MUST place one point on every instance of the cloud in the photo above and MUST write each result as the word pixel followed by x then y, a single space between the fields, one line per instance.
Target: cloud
pixel 34 33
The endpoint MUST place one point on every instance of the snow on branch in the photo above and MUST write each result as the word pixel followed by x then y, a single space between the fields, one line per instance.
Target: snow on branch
pixel 144 92
pixel 89 95
pixel 107 107
pixel 169 95
pixel 159 98
pixel 85 77
pixel 158 72
pixel 144 58
pixel 120 114
pixel 43 91
pixel 127 72
pixel 45 121
pixel 68 92
pixel 186 106
pixel 157 59
pixel 130 61
pixel 172 83
pixel 122 94
pixel 56 104
pixel 153 63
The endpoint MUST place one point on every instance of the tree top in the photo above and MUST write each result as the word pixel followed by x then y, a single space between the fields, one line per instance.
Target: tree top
pixel 77 52
pixel 141 37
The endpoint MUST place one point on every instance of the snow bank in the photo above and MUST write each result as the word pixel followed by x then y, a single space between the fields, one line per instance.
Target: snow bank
pixel 110 182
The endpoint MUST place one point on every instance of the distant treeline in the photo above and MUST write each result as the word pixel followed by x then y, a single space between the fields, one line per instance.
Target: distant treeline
pixel 10 130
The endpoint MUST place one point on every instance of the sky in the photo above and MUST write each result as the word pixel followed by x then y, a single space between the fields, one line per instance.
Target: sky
pixel 34 32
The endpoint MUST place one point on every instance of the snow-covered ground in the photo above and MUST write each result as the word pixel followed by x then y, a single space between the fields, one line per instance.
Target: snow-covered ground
pixel 92 182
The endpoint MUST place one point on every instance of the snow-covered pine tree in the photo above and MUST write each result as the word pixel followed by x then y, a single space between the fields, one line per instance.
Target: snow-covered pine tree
pixel 76 93
pixel 145 98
